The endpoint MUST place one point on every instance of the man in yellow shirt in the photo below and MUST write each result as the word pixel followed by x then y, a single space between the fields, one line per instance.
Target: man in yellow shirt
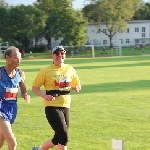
pixel 58 79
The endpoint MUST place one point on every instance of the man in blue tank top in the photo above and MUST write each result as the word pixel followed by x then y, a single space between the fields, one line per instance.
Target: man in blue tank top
pixel 10 79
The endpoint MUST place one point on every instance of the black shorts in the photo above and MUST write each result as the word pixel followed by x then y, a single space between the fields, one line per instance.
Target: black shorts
pixel 58 118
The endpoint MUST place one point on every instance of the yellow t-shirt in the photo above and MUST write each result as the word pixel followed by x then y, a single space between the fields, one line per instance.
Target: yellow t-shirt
pixel 57 78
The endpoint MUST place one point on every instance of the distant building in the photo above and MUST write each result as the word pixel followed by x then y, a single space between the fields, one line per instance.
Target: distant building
pixel 138 32
pixel 39 41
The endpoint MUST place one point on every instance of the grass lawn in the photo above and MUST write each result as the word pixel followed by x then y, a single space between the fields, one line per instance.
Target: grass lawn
pixel 98 53
pixel 113 104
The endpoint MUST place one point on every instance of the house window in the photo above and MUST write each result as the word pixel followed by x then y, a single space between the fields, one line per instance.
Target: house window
pixel 98 31
pixel 136 41
pixel 105 30
pixel 143 34
pixel 121 41
pixel 104 42
pixel 136 29
pixel 143 29
pixel 127 40
pixel 91 42
pixel 127 30
pixel 98 42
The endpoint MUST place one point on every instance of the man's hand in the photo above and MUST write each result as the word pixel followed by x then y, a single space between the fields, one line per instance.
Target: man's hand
pixel 48 97
pixel 26 96
pixel 76 88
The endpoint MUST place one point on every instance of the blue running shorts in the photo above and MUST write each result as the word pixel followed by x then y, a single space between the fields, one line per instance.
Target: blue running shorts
pixel 8 111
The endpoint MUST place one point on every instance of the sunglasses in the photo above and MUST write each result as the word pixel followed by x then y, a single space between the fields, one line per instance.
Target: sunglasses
pixel 58 53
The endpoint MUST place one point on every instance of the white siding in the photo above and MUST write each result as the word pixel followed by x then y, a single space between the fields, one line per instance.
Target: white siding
pixel 139 31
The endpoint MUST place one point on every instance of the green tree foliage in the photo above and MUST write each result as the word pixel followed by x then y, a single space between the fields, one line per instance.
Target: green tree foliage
pixel 26 22
pixel 114 14
pixel 21 23
pixel 143 13
pixel 4 22
pixel 45 5
pixel 2 2
pixel 64 22
pixel 91 12
pixel 1 40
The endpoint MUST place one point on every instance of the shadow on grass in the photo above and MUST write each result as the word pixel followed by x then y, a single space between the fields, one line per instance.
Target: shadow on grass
pixel 116 87
pixel 85 60
pixel 88 67
pixel 107 87
pixel 111 66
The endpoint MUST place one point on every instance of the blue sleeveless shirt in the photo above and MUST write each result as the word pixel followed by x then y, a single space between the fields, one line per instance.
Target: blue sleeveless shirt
pixel 8 95
pixel 9 86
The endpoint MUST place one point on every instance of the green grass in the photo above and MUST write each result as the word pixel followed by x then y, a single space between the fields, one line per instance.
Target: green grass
pixel 98 53
pixel 113 104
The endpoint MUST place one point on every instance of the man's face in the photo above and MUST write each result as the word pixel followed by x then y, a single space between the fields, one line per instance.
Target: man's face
pixel 59 56
pixel 15 59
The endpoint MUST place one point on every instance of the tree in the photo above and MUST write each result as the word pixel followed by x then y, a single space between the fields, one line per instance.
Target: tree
pixel 25 23
pixel 143 13
pixel 4 22
pixel 2 2
pixel 114 14
pixel 45 5
pixel 90 12
pixel 67 24
pixel 64 22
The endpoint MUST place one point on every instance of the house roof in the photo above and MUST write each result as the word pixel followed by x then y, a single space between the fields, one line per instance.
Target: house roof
pixel 130 22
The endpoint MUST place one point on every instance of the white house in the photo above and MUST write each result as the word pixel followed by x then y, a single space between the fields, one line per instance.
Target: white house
pixel 138 32
pixel 38 41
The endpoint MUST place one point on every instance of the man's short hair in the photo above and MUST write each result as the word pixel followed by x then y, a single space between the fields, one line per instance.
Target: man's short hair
pixel 8 52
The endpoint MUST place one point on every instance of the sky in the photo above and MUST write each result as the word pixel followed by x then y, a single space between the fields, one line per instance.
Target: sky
pixel 77 4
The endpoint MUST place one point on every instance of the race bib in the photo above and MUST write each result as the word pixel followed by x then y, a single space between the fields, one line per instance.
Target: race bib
pixel 11 93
